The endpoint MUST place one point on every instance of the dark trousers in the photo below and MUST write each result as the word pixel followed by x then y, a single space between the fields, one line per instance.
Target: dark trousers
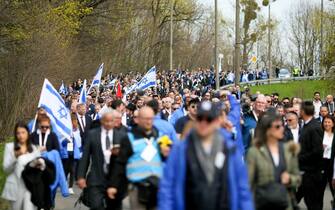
pixel 327 177
pixel 70 166
pixel 100 201
pixel 311 190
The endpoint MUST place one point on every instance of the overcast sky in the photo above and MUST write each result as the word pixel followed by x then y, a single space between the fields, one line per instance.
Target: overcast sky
pixel 280 8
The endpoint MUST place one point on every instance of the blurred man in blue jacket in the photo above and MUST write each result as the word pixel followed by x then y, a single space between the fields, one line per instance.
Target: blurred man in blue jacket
pixel 206 171
pixel 231 120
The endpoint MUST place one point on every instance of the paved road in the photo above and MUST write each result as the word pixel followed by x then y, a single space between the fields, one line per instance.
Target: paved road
pixel 68 203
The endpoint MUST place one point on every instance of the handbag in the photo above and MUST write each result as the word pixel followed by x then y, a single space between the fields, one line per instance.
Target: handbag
pixel 147 191
pixel 83 198
pixel 272 195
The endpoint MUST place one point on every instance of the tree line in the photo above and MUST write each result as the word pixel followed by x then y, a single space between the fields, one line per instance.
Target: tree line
pixel 68 39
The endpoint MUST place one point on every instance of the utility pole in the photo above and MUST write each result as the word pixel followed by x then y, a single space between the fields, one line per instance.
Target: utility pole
pixel 237 43
pixel 217 79
pixel 269 42
pixel 171 35
pixel 321 72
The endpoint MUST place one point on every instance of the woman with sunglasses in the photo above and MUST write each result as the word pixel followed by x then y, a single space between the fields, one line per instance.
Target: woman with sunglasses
pixel 17 154
pixel 44 137
pixel 273 166
pixel 328 127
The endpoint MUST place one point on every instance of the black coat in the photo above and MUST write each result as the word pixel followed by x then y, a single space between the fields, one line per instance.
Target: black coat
pixel 52 141
pixel 331 108
pixel 38 183
pixel 288 135
pixel 93 155
pixel 118 164
pixel 331 162
pixel 310 157
pixel 88 124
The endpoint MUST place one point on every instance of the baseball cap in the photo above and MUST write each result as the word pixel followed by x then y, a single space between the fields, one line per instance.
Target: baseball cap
pixel 208 110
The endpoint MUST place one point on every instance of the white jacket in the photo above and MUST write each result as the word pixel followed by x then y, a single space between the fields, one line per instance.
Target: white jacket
pixel 13 167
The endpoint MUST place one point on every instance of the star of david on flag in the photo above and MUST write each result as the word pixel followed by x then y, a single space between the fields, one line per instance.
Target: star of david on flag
pixel 97 78
pixel 53 104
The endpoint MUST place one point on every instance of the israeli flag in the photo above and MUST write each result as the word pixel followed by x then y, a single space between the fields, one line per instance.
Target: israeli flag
pixel 83 94
pixel 62 89
pixel 97 78
pixel 130 89
pixel 149 80
pixel 111 83
pixel 54 105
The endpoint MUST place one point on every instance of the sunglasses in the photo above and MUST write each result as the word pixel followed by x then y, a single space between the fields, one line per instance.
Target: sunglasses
pixel 205 118
pixel 45 127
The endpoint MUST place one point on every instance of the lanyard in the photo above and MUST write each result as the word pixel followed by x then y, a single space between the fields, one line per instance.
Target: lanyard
pixel 149 141
pixel 42 144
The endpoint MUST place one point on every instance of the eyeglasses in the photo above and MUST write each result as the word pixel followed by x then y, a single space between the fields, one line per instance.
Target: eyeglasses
pixel 205 118
pixel 45 127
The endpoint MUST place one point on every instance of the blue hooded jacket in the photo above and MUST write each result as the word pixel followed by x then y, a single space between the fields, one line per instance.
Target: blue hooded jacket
pixel 179 113
pixel 248 129
pixel 60 180
pixel 234 116
pixel 165 128
pixel 172 185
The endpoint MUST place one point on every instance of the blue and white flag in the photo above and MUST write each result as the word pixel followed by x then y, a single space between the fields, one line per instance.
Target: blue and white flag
pixel 130 89
pixel 149 80
pixel 62 89
pixel 83 94
pixel 112 83
pixel 97 78
pixel 53 104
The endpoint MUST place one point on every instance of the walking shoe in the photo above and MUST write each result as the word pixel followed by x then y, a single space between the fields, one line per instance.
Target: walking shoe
pixel 71 191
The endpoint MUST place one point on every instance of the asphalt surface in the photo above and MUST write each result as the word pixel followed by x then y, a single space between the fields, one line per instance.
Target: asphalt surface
pixel 68 203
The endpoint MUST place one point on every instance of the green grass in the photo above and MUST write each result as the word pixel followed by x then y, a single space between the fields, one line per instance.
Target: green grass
pixel 301 89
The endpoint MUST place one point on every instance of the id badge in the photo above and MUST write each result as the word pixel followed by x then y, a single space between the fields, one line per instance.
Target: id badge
pixel 219 160
pixel 70 146
pixel 149 153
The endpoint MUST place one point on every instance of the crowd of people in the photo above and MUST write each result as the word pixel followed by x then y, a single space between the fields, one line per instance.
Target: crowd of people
pixel 179 146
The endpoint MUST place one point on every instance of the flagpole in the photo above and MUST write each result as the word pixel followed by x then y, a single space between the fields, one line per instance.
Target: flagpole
pixel 34 125
pixel 98 92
